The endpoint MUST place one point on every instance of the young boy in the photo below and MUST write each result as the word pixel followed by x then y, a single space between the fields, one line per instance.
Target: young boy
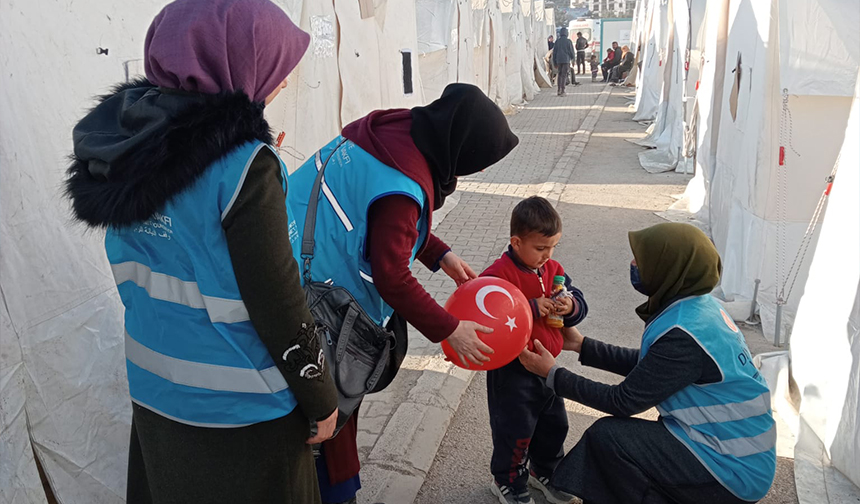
pixel 528 421
pixel 594 67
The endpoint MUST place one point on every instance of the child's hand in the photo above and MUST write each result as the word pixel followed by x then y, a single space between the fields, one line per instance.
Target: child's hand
pixel 564 306
pixel 545 306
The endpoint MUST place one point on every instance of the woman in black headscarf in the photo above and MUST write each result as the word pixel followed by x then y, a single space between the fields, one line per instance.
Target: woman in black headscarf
pixel 393 170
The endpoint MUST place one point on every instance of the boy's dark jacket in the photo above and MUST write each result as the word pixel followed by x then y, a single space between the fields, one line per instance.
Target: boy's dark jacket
pixel 536 284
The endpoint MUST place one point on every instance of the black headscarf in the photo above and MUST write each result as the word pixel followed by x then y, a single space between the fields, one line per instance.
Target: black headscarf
pixel 461 133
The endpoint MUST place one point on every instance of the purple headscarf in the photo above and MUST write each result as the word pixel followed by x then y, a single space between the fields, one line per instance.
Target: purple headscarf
pixel 212 46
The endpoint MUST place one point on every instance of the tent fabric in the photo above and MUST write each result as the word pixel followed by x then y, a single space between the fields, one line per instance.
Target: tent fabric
pixel 62 382
pixel 435 20
pixel 768 122
pixel 494 44
pixel 708 106
pixel 753 211
pixel 310 82
pixel 513 26
pixel 758 212
pixel 808 29
pixel 63 392
pixel 667 136
pixel 825 343
pixel 656 39
pixel 19 478
pixel 371 54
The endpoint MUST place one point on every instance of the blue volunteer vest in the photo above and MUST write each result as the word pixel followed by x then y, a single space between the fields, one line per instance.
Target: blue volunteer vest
pixel 353 180
pixel 192 353
pixel 728 425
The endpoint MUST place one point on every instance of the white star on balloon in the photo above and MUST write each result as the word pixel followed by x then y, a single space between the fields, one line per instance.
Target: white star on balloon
pixel 512 323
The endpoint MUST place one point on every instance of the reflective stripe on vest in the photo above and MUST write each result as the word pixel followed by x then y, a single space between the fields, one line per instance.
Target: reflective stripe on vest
pixel 338 209
pixel 202 375
pixel 737 447
pixel 192 353
pixel 726 424
pixel 353 181
pixel 168 288
pixel 717 413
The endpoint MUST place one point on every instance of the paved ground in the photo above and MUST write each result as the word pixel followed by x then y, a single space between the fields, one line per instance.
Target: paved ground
pixel 608 195
pixel 401 428
pixel 426 438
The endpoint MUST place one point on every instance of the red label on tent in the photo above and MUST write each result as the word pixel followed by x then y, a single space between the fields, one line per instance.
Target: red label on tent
pixel 781 155
pixel 687 66
pixel 280 139
pixel 829 187
pixel 697 85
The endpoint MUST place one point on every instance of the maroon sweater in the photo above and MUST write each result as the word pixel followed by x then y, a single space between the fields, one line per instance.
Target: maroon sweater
pixel 535 284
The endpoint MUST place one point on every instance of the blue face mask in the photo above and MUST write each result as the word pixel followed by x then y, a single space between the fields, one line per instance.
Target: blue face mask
pixel 635 280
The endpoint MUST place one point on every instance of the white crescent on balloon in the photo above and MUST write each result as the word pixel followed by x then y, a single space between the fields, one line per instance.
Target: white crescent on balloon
pixel 484 292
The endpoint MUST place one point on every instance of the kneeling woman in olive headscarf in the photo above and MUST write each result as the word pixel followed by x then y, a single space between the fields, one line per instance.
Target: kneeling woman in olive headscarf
pixel 715 439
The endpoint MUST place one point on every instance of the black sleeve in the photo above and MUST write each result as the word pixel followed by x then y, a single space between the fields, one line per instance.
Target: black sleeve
pixel 672 363
pixel 256 228
pixel 612 358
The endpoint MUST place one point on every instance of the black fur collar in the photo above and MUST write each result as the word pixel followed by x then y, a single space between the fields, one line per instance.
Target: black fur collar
pixel 149 176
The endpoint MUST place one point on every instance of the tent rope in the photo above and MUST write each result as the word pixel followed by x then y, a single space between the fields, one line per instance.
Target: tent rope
pixel 785 128
pixel 794 270
pixel 799 258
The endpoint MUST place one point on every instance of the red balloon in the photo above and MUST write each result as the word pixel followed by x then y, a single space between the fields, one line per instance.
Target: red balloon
pixel 499 305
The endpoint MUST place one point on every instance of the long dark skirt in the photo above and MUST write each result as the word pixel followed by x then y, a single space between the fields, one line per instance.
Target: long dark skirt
pixel 269 462
pixel 630 460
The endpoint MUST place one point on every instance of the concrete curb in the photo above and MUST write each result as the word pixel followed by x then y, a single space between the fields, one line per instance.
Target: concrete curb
pixel 407 445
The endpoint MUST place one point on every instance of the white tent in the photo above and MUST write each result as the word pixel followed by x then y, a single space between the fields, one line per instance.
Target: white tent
pixel 527 64
pixel 63 393
pixel 695 61
pixel 656 38
pixel 825 342
pixel 708 101
pixel 666 135
pixel 759 211
pixel 494 44
pixel 541 29
pixel 62 378
pixel 512 24
pixel 770 123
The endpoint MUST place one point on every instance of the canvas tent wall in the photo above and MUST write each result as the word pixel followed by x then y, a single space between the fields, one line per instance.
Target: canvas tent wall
pixel 541 29
pixel 62 378
pixel 771 115
pixel 666 136
pixel 708 101
pixel 825 343
pixel 759 211
pixel 62 381
pixel 494 44
pixel 655 37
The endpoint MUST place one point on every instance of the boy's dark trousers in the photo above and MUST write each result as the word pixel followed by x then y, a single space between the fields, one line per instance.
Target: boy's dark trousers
pixel 529 424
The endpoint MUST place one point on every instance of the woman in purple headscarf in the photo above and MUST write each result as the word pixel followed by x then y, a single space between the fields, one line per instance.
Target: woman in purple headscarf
pixel 226 376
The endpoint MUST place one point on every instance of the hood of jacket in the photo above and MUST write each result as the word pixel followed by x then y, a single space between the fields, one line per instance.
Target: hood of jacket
pixel 141 145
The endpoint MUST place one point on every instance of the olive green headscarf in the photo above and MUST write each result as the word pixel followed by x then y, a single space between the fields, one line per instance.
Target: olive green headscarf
pixel 675 261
